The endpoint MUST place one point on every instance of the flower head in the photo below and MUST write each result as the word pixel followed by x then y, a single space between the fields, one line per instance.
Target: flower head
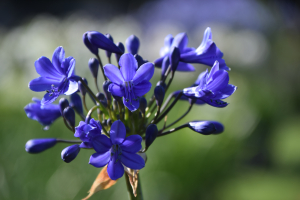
pixel 56 78
pixel 45 114
pixel 87 132
pixel 207 53
pixel 180 41
pixel 212 87
pixel 116 151
pixel 130 81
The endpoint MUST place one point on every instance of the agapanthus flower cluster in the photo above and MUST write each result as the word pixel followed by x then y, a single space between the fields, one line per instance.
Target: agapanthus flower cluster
pixel 122 119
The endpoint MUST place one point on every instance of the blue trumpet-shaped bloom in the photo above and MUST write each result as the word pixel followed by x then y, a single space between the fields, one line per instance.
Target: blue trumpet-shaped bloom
pixel 207 53
pixel 45 114
pixel 87 132
pixel 116 151
pixel 212 87
pixel 180 41
pixel 56 78
pixel 130 81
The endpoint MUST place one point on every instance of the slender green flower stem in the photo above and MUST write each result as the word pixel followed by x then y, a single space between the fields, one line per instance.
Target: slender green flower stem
pixel 167 101
pixel 173 130
pixel 177 120
pixel 96 83
pixel 94 96
pixel 109 60
pixel 139 195
pixel 101 66
pixel 68 141
pixel 84 103
pixel 168 109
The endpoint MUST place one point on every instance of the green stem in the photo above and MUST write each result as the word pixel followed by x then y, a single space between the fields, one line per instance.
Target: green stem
pixel 139 195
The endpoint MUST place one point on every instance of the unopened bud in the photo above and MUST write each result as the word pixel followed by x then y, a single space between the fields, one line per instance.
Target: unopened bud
pixel 81 87
pixel 206 127
pixel 108 53
pixel 174 58
pixel 69 153
pixel 122 48
pixel 63 103
pixel 159 93
pixel 94 66
pixel 165 65
pixel 143 104
pixel 87 43
pixel 140 60
pixel 132 44
pixel 39 145
pixel 151 133
pixel 69 115
pixel 76 103
pixel 105 89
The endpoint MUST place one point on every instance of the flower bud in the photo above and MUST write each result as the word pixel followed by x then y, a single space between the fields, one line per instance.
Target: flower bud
pixel 81 87
pixel 105 89
pixel 206 127
pixel 94 66
pixel 132 44
pixel 108 53
pixel 143 104
pixel 122 48
pixel 87 43
pixel 69 115
pixel 39 145
pixel 109 122
pixel 101 98
pixel 163 84
pixel 101 41
pixel 174 58
pixel 63 103
pixel 165 65
pixel 139 60
pixel 159 93
pixel 76 103
pixel 69 153
pixel 151 133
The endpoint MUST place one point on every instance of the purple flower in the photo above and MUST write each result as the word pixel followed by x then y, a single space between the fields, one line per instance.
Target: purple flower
pixel 130 81
pixel 87 132
pixel 180 41
pixel 207 53
pixel 44 114
pixel 212 87
pixel 56 78
pixel 117 151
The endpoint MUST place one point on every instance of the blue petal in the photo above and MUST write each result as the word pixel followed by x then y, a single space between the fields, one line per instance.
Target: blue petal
pixel 145 72
pixel 158 62
pixel 71 68
pixel 190 92
pixel 116 90
pixel 206 39
pixel 185 67
pixel 132 160
pixel 142 88
pixel 101 143
pixel 180 41
pixel 71 87
pixel 128 65
pixel 215 103
pixel 58 58
pixel 115 170
pixel 213 70
pixel 226 92
pixel 113 73
pixel 49 99
pixel 202 78
pixel 117 132
pixel 133 105
pixel 165 65
pixel 45 68
pixel 86 145
pixel 42 84
pixel 219 81
pixel 132 144
pixel 100 160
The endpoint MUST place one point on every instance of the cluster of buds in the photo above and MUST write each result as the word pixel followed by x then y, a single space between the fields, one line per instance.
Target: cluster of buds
pixel 122 119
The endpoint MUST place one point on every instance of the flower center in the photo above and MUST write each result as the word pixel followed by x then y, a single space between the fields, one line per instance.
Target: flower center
pixel 115 153
pixel 54 91
pixel 129 95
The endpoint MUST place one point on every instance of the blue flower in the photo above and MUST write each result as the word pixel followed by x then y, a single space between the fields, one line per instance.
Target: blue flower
pixel 130 81
pixel 87 132
pixel 44 114
pixel 207 53
pixel 212 87
pixel 56 78
pixel 117 151
pixel 180 41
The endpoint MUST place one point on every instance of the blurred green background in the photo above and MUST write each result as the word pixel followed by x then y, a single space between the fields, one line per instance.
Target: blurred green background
pixel 256 158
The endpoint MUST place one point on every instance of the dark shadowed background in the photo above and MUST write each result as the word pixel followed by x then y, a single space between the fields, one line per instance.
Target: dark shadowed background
pixel 256 158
